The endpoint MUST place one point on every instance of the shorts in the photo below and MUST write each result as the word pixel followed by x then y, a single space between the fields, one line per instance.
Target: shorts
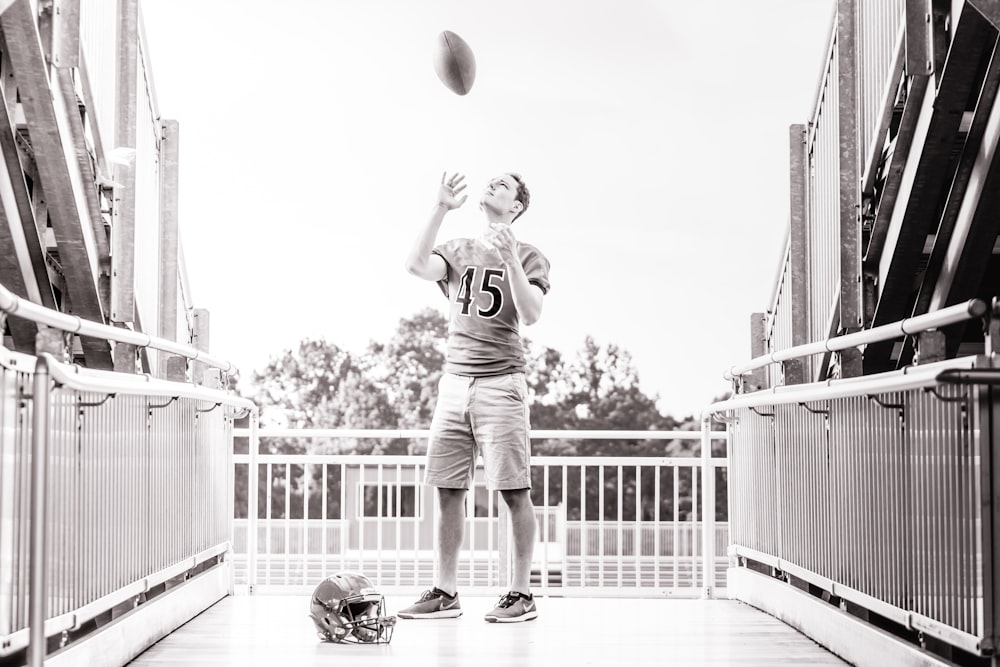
pixel 485 416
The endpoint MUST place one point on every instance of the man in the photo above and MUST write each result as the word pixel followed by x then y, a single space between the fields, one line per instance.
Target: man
pixel 493 283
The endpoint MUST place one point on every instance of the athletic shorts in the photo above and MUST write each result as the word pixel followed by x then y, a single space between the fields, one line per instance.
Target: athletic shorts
pixel 485 416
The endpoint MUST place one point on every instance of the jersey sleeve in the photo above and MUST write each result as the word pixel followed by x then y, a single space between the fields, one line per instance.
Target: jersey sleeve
pixel 448 252
pixel 536 267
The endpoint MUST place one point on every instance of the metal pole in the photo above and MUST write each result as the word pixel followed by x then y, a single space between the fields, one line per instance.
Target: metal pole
pixel 708 509
pixel 252 478
pixel 39 459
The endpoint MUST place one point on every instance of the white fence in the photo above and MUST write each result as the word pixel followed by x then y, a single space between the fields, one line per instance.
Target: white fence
pixel 624 525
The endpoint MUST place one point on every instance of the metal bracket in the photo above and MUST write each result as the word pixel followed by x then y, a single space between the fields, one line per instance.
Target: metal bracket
pixel 947 399
pixel 815 412
pixel 94 404
pixel 888 406
pixel 762 414
pixel 156 407
pixel 208 409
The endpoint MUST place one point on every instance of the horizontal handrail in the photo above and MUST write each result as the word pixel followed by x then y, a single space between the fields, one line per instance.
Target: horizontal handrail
pixel 911 325
pixel 109 382
pixel 15 305
pixel 411 459
pixel 535 434
pixel 913 377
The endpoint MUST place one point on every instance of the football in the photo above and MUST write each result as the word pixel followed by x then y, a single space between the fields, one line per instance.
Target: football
pixel 454 62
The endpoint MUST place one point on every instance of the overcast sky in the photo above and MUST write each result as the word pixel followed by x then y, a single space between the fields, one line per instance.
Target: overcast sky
pixel 653 136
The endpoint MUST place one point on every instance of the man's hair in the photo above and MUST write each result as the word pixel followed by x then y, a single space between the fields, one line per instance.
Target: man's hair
pixel 522 195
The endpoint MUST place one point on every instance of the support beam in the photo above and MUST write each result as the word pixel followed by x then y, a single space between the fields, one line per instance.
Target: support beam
pixel 976 228
pixel 851 316
pixel 798 220
pixel 123 310
pixel 66 33
pixel 927 175
pixel 60 178
pixel 22 270
pixel 943 262
pixel 169 274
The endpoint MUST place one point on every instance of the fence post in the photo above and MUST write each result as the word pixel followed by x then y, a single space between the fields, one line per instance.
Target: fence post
pixel 707 509
pixel 39 460
pixel 253 483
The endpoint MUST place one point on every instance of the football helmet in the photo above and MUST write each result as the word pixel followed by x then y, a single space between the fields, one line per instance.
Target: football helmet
pixel 346 608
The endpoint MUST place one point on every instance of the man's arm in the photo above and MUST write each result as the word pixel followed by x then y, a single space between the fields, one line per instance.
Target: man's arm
pixel 421 261
pixel 527 297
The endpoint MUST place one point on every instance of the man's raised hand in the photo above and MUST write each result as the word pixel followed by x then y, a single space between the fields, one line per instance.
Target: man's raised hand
pixel 450 189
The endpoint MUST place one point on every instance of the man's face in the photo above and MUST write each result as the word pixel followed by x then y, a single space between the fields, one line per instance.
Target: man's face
pixel 500 194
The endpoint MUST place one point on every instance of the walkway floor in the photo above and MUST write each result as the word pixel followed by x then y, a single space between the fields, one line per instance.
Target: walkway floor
pixel 276 630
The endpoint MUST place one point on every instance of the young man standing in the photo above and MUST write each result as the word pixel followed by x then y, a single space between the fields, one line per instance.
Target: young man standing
pixel 493 284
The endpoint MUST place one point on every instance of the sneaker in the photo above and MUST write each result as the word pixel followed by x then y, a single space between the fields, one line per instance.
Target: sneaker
pixel 513 608
pixel 434 603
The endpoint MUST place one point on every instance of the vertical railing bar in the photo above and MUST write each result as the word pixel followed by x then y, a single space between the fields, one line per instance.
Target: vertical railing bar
pixel 637 533
pixel 268 515
pixel 600 525
pixel 39 460
pixel 543 574
pixel 379 520
pixel 362 515
pixel 285 579
pixel 708 511
pixel 694 527
pixel 657 471
pixel 342 530
pixel 619 537
pixel 419 493
pixel 398 577
pixel 584 528
pixel 563 533
pixel 323 516
pixel 676 525
pixel 304 537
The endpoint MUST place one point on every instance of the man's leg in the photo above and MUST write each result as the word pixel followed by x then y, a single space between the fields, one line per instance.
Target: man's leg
pixel 450 530
pixel 522 519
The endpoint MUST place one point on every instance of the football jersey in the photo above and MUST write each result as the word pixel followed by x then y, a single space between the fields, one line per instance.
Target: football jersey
pixel 483 324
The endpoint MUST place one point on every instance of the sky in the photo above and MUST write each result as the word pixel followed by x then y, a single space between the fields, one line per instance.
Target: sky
pixel 653 135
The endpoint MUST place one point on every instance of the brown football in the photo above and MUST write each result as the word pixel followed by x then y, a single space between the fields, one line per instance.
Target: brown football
pixel 454 62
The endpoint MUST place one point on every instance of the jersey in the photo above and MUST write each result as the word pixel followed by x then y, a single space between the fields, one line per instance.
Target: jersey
pixel 483 325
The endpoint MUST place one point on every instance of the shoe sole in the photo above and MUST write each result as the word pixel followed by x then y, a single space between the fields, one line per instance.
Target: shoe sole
pixel 444 613
pixel 529 616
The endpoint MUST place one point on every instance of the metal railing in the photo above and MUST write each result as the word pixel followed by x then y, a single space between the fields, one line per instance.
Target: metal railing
pixel 877 487
pixel 647 527
pixel 111 484
pixel 961 312
pixel 11 304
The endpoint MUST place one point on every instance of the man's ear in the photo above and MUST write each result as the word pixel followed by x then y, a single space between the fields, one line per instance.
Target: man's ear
pixel 517 207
